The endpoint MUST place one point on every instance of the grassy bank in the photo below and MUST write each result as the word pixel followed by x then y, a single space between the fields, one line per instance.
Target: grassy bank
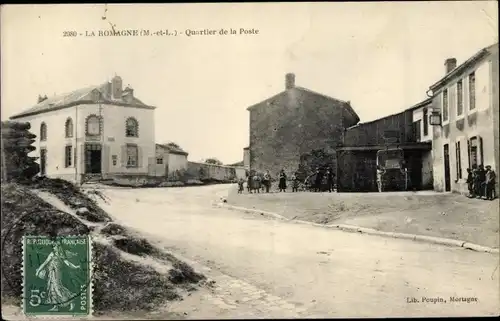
pixel 130 273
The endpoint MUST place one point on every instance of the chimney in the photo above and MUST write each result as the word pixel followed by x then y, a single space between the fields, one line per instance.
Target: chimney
pixel 41 98
pixel 289 81
pixel 116 87
pixel 128 93
pixel 449 65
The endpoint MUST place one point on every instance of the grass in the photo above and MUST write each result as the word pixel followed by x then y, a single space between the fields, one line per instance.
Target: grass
pixel 119 284
pixel 73 197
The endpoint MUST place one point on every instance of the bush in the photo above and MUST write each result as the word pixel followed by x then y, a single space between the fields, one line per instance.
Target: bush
pixel 123 285
pixel 17 143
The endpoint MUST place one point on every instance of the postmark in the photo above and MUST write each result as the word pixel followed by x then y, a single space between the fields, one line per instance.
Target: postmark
pixel 57 276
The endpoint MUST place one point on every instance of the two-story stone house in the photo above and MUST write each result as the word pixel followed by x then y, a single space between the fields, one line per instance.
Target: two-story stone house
pixel 466 99
pixel 286 127
pixel 99 131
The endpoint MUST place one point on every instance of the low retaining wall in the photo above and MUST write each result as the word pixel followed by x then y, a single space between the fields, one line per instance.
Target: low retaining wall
pixel 221 173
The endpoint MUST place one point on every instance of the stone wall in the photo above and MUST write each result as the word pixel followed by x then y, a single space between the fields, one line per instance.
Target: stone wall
pixel 292 124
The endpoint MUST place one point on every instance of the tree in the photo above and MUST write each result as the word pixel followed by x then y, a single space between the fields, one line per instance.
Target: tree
pixel 213 161
pixel 174 145
pixel 17 143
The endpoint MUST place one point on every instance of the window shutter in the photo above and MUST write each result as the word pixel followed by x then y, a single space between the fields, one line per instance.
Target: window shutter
pixel 468 152
pixel 139 157
pixel 123 156
pixel 480 147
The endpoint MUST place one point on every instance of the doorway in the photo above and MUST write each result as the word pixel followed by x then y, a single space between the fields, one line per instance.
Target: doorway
pixel 447 179
pixel 43 161
pixel 93 158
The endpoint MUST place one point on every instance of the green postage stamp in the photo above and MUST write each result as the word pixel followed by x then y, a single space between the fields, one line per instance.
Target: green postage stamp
pixel 57 276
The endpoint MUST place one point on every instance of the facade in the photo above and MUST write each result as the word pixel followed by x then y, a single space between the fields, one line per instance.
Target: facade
pixel 293 123
pixel 169 161
pixel 357 157
pixel 99 131
pixel 423 132
pixel 466 99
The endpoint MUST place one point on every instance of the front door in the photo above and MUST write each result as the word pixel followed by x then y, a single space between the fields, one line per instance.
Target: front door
pixel 43 161
pixel 447 179
pixel 93 158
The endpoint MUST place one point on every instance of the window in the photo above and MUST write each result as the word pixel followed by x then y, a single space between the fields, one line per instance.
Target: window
pixel 43 132
pixel 458 160
pixel 476 151
pixel 460 99
pixel 472 91
pixel 68 158
pixel 114 158
pixel 93 125
pixel 445 105
pixel 68 127
pixel 159 161
pixel 131 128
pixel 426 121
pixel 416 130
pixel 132 156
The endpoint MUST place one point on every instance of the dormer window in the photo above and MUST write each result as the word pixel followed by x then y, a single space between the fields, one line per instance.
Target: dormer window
pixel 131 127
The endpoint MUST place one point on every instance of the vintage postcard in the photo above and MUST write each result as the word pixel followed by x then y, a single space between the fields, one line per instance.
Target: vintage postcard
pixel 250 160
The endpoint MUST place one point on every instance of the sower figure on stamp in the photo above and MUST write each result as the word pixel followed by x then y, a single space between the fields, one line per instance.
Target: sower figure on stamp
pixel 52 269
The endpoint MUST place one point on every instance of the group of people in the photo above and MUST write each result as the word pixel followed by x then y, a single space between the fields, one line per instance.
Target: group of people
pixel 319 181
pixel 481 182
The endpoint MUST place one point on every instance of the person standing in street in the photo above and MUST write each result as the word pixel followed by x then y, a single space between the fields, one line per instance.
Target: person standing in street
pixel 317 180
pixel 266 180
pixel 490 177
pixel 470 182
pixel 481 181
pixel 330 176
pixel 295 182
pixel 282 181
pixel 380 173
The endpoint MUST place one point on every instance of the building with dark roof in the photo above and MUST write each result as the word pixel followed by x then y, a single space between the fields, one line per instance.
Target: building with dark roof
pixel 97 131
pixel 287 127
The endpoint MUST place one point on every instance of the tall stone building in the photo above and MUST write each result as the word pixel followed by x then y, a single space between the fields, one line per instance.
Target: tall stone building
pixel 287 127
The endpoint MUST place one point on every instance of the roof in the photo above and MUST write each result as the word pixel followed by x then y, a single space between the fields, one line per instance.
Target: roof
pixel 416 106
pixel 172 149
pixel 88 95
pixel 238 164
pixel 346 104
pixel 469 62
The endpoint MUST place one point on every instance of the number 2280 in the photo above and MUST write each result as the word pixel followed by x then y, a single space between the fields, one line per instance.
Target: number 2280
pixel 69 34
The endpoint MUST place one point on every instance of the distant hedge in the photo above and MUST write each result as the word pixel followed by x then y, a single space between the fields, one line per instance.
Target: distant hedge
pixel 17 143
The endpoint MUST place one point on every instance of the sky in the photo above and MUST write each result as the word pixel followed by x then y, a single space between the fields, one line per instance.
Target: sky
pixel 382 57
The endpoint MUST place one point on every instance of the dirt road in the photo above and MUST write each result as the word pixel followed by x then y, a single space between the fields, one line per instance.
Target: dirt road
pixel 283 269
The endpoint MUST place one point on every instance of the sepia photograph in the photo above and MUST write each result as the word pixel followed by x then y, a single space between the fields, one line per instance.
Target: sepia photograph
pixel 250 160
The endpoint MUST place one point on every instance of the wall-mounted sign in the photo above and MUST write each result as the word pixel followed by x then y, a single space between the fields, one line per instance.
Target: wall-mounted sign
pixel 435 118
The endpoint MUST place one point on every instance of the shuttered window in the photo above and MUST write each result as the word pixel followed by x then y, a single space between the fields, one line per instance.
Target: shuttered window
pixel 458 160
pixel 132 156
pixel 476 151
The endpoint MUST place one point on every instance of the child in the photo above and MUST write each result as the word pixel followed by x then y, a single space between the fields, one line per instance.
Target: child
pixel 241 181
pixel 295 183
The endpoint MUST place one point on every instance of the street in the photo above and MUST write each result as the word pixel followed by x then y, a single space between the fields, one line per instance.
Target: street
pixel 309 271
